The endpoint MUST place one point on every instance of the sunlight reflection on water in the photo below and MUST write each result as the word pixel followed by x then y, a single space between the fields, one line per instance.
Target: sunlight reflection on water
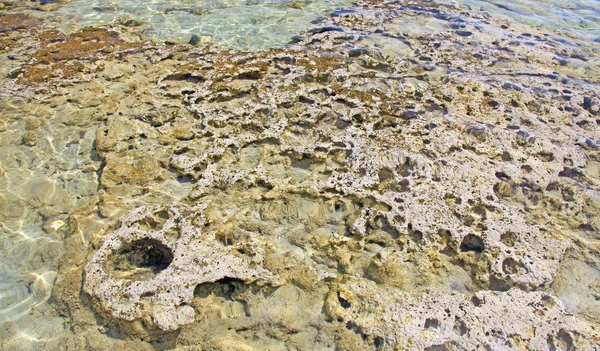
pixel 232 24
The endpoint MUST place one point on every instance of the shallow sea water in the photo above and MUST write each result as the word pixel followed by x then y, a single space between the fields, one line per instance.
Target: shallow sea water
pixel 569 18
pixel 40 187
pixel 231 24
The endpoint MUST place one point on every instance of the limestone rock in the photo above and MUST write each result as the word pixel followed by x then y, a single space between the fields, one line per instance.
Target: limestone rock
pixel 149 267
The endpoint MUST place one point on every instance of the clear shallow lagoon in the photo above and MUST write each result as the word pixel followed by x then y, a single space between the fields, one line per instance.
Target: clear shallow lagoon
pixel 44 178
pixel 264 24
pixel 231 24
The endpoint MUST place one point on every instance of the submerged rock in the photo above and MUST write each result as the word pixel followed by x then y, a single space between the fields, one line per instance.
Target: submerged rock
pixel 386 185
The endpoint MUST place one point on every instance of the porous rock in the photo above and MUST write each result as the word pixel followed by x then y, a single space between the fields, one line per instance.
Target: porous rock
pixel 149 267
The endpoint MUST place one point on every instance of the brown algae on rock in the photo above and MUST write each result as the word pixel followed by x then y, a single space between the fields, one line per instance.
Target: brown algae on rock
pixel 377 185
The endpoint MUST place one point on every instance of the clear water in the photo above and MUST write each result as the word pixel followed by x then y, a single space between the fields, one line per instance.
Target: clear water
pixel 264 24
pixel 231 24
pixel 40 189
pixel 578 18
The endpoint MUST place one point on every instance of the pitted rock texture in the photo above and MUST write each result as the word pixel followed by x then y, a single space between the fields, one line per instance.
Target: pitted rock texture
pixel 460 322
pixel 380 184
pixel 149 268
pixel 336 170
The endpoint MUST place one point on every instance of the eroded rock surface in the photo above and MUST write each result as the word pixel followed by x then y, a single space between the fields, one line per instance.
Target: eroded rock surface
pixel 149 268
pixel 380 184
pixel 459 322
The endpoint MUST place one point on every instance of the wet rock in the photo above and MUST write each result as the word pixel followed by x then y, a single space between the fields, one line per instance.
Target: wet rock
pixel 30 138
pixel 132 168
pixel 194 40
pixel 270 197
pixel 463 33
pixel 327 29
pixel 587 103
pixel 509 85
pixel 571 173
pixel 362 51
pixel 563 61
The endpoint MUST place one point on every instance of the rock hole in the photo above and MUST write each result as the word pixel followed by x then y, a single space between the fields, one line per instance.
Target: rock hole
pixel 546 156
pixel 527 188
pixel 184 77
pixel 499 285
pixel 385 174
pixel 481 212
pixel 382 223
pixel 155 222
pixel 431 323
pixel 148 224
pixel 141 259
pixel 511 266
pixel 563 341
pixel 449 248
pixel 301 161
pixel 356 329
pixel 502 176
pixel 225 288
pixel 416 235
pixel 226 238
pixel 252 74
pixel 442 347
pixel 548 301
pixel 404 185
pixel 306 100
pixel 504 189
pixel 476 301
pixel 407 168
pixel 345 304
pixel 472 243
pixel 341 124
pixel 378 342
pixel 460 327
pixel 570 173
pixel 508 238
pixel 185 179
pixel 264 185
pixel 399 219
pixel 182 150
pixel 567 161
